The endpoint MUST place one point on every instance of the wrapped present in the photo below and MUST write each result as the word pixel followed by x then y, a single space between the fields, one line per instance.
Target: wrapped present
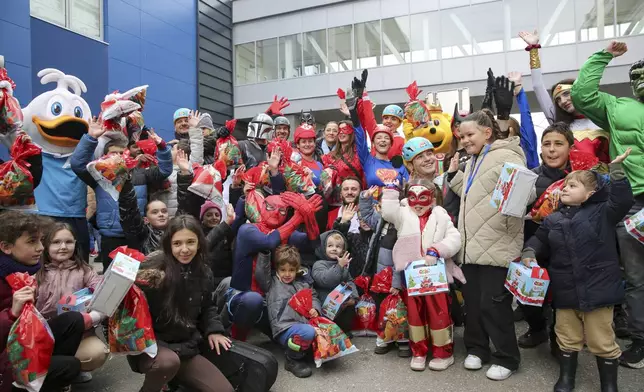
pixel 325 186
pixel 133 253
pixel 548 202
pixel 382 281
pixel 10 113
pixel 76 302
pixel 365 323
pixel 207 182
pixel 227 148
pixel 117 280
pixel 258 178
pixel 513 190
pixel 393 324
pixel 130 328
pixel 110 172
pixel 529 285
pixel 17 185
pixel 425 279
pixel 31 343
pixel 333 302
pixel 296 178
pixel 118 105
pixel 635 226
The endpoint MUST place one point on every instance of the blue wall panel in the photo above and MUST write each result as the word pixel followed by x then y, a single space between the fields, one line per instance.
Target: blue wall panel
pixel 15 46
pixel 154 42
pixel 74 54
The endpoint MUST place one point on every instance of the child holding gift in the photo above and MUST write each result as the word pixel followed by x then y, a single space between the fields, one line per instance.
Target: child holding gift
pixel 178 286
pixel 63 273
pixel 21 250
pixel 585 276
pixel 425 230
pixel 289 328
pixel 489 242
pixel 333 269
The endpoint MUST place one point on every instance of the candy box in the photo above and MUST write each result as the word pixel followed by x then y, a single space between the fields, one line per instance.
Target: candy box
pixel 333 302
pixel 513 190
pixel 77 302
pixel 426 279
pixel 116 282
pixel 635 226
pixel 529 285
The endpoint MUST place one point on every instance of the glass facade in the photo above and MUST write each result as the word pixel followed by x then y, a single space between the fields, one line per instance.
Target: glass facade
pixel 471 29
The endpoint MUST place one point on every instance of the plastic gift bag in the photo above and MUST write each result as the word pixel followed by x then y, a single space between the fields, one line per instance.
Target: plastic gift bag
pixel 330 342
pixel 296 178
pixel 10 112
pixel 110 172
pixel 133 253
pixel 17 182
pixel 208 182
pixel 382 281
pixel 130 328
pixel 227 149
pixel 365 323
pixel 393 325
pixel 258 177
pixel 31 342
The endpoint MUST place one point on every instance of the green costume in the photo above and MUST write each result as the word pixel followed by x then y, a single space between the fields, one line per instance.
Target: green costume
pixel 622 117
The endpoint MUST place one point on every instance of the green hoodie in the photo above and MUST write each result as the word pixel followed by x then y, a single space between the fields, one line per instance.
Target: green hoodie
pixel 622 117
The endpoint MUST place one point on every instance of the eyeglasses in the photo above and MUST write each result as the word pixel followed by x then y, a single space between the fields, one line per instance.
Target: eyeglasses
pixel 59 243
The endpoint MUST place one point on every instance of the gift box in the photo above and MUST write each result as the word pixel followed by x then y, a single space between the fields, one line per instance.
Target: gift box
pixel 529 285
pixel 425 279
pixel 333 302
pixel 635 226
pixel 116 282
pixel 513 190
pixel 77 302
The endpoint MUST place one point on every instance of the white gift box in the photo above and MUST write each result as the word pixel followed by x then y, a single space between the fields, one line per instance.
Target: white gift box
pixel 117 280
pixel 513 189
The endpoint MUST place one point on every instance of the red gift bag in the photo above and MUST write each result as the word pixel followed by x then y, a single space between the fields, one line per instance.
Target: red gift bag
pixel 31 342
pixel 393 325
pixel 10 112
pixel 364 323
pixel 382 281
pixel 130 328
pixel 17 183
pixel 133 253
pixel 227 149
pixel 258 177
pixel 208 182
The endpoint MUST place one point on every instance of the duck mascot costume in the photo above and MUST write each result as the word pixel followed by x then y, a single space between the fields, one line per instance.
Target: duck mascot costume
pixel 56 120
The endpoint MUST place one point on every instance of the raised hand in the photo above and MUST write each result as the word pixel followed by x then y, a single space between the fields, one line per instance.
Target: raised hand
pixel 622 158
pixel 454 163
pixel 348 212
pixel 503 97
pixel 153 135
pixel 489 91
pixel 617 48
pixel 193 118
pixel 95 128
pixel 274 161
pixel 530 38
pixel 371 191
pixel 230 214
pixel 344 260
pixel 278 105
pixel 182 161
pixel 516 78
pixel 237 176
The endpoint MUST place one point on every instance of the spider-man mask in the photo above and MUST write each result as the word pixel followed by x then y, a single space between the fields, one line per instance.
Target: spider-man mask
pixel 420 199
pixel 273 212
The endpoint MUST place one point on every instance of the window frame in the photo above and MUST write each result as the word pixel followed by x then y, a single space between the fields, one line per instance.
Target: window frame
pixel 68 20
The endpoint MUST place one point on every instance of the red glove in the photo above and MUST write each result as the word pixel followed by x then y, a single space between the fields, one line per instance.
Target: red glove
pixel 341 94
pixel 289 227
pixel 277 106
pixel 230 125
pixel 306 209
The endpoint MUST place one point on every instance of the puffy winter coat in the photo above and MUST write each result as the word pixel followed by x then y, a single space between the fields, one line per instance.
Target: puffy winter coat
pixel 327 273
pixel 580 243
pixel 280 314
pixel 487 236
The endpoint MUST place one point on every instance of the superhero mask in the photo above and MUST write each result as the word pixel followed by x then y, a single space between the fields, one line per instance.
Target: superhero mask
pixel 273 212
pixel 636 75
pixel 426 119
pixel 260 127
pixel 307 118
pixel 345 129
pixel 458 117
pixel 420 199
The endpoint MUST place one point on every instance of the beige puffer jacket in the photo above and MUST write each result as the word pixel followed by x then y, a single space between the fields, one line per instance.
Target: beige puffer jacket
pixel 487 236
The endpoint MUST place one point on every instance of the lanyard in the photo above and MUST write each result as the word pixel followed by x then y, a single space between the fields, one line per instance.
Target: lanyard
pixel 474 170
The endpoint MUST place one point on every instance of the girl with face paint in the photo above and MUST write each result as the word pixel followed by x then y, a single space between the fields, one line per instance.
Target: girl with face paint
pixel 425 231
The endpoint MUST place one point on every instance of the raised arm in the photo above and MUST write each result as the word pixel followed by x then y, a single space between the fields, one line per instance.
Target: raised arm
pixel 528 135
pixel 620 196
pixel 391 210
pixel 543 97
pixel 83 154
pixel 130 216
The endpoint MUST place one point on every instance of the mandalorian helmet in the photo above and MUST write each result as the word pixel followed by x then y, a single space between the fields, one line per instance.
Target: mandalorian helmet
pixel 260 127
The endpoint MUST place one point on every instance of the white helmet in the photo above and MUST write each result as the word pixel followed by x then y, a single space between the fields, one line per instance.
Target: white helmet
pixel 260 127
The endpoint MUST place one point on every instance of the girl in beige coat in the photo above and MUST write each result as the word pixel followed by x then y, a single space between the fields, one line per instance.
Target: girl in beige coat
pixel 490 241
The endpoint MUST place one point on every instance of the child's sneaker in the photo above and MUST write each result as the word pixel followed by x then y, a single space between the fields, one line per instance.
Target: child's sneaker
pixel 418 363
pixel 472 362
pixel 82 378
pixel 439 364
pixel 498 373
pixel 299 368
pixel 381 347
pixel 404 351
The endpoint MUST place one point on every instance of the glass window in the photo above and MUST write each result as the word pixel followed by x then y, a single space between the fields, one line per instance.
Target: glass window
pixel 245 63
pixel 340 52
pixel 556 22
pixel 82 16
pixel 367 41
pixel 456 40
pixel 396 44
pixel 594 19
pixel 425 36
pixel 464 33
pixel 630 17
pixel 314 47
pixel 266 56
pixel 522 18
pixel 291 56
pixel 85 17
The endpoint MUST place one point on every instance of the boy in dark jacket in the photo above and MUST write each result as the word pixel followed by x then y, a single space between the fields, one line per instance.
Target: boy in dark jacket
pixel 289 328
pixel 585 278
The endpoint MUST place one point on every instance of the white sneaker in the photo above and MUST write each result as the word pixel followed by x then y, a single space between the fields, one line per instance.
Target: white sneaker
pixel 498 373
pixel 472 362
pixel 418 363
pixel 441 363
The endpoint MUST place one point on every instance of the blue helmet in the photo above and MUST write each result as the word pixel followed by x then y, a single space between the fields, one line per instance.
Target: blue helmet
pixel 415 146
pixel 393 110
pixel 181 113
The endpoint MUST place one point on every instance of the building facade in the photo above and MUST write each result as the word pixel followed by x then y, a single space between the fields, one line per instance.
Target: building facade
pixel 307 49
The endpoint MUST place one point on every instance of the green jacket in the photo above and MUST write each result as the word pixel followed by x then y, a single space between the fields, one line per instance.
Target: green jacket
pixel 622 117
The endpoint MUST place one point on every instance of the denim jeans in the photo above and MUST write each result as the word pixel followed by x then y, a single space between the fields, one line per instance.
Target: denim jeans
pixel 302 334
pixel 247 310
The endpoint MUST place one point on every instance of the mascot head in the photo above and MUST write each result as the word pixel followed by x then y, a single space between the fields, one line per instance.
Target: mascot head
pixel 426 119
pixel 57 119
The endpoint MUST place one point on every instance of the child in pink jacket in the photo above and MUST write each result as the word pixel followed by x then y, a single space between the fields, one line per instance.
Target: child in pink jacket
pixel 425 231
pixel 63 273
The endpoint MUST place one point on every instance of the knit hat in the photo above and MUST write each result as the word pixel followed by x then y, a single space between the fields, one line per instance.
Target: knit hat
pixel 206 206
pixel 304 131
pixel 206 122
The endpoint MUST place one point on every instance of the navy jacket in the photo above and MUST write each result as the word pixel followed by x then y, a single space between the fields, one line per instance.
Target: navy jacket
pixel 581 246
